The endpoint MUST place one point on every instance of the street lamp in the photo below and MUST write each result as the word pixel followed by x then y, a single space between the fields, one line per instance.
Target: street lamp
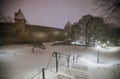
pixel 98 48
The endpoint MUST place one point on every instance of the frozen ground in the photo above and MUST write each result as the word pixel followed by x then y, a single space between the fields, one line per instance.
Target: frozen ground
pixel 23 64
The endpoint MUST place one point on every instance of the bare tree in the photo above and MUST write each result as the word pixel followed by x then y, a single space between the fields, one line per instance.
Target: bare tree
pixel 111 8
pixel 6 19
pixel 36 44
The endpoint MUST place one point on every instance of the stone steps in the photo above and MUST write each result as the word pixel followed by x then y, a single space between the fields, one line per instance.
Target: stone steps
pixel 74 72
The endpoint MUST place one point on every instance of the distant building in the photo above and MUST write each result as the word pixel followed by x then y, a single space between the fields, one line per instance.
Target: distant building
pixel 20 32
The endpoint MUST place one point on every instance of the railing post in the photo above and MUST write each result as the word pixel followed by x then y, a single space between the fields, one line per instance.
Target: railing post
pixel 56 61
pixel 77 59
pixel 98 56
pixel 73 59
pixel 68 60
pixel 43 73
pixel 55 55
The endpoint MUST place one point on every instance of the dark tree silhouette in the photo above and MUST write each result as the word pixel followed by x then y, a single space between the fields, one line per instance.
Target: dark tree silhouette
pixel 91 28
pixel 36 44
pixel 111 8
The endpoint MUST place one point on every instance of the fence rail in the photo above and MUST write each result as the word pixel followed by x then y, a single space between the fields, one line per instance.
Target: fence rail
pixel 57 56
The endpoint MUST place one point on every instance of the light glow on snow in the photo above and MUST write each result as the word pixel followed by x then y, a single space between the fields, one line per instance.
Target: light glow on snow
pixel 98 47
pixel 78 42
pixel 89 62
pixel 110 49
pixel 94 64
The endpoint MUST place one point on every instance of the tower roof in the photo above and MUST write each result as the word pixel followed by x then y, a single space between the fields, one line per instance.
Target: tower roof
pixel 19 15
pixel 68 25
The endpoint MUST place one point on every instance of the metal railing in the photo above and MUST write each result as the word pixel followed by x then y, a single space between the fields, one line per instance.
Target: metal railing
pixel 57 56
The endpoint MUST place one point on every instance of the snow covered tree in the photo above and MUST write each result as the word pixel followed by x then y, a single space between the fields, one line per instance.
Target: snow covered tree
pixel 86 22
pixel 76 31
pixel 91 28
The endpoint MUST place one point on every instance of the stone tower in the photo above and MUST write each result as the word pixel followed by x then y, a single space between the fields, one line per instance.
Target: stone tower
pixel 20 22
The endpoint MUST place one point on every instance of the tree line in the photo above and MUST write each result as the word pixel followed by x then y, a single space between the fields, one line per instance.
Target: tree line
pixel 91 29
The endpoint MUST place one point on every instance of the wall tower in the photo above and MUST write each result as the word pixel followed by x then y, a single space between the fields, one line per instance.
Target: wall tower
pixel 20 22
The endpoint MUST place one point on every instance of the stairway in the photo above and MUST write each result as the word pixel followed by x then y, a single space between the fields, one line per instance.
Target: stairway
pixel 76 71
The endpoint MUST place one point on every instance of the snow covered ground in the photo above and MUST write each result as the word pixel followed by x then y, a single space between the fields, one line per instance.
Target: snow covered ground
pixel 23 64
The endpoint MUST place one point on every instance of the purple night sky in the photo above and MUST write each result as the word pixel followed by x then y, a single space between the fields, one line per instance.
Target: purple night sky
pixel 54 13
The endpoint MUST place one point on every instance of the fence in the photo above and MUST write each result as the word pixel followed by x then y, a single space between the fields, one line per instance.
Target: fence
pixel 57 56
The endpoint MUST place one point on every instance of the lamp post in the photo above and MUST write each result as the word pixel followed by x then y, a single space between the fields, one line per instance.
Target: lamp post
pixel 98 48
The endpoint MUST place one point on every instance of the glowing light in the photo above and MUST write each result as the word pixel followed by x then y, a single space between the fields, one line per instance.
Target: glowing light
pixel 56 33
pixel 104 45
pixel 66 33
pixel 78 42
pixel 98 47
pixel 108 42
pixel 73 42
pixel 40 35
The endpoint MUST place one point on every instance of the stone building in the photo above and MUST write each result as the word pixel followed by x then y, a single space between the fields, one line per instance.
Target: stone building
pixel 20 32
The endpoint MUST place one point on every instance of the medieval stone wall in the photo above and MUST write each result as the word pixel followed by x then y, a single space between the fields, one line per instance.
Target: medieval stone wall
pixel 20 32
